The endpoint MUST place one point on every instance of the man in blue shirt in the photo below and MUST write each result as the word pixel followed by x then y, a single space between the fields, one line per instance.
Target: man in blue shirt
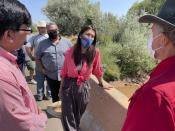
pixel 50 56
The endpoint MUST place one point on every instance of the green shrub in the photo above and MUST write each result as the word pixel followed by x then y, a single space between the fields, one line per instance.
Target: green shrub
pixel 111 69
pixel 132 53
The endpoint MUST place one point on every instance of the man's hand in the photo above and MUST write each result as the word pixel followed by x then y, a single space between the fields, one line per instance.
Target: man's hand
pixel 43 71
pixel 60 91
pixel 39 110
pixel 32 58
pixel 29 51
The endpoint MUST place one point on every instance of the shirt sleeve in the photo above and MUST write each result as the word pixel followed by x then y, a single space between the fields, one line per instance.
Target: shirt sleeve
pixel 30 41
pixel 28 44
pixel 15 113
pixel 97 67
pixel 149 112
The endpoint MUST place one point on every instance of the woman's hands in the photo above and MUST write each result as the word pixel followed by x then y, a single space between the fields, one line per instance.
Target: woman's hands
pixel 61 86
pixel 106 87
pixel 101 84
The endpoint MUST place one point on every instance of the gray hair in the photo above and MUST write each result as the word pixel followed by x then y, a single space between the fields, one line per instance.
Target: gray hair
pixel 168 31
pixel 160 28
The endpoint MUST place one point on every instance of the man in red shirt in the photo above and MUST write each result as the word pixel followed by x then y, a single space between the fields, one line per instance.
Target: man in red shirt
pixel 18 108
pixel 152 107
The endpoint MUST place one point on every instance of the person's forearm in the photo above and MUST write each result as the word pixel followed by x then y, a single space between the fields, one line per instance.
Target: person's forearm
pixel 62 82
pixel 41 66
pixel 61 86
pixel 41 122
pixel 29 52
pixel 100 80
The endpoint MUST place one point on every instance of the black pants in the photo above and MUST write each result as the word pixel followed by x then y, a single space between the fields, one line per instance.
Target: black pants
pixel 54 88
pixel 74 101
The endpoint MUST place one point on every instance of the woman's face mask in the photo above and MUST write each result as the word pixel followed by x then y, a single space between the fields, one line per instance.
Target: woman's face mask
pixel 149 44
pixel 86 42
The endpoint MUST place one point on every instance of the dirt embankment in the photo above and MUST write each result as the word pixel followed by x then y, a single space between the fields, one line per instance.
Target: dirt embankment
pixel 126 88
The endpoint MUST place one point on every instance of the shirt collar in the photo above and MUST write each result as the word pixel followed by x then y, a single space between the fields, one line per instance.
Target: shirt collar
pixel 57 42
pixel 7 55
pixel 163 66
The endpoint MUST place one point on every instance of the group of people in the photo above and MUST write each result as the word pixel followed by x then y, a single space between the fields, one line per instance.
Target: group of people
pixel 67 69
pixel 47 49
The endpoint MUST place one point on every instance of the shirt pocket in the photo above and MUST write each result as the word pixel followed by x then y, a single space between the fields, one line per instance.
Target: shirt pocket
pixel 49 61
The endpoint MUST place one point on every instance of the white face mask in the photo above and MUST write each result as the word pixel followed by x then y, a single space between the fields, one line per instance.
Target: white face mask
pixel 149 44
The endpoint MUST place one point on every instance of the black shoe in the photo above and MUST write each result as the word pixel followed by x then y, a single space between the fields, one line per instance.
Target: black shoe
pixel 47 97
pixel 39 98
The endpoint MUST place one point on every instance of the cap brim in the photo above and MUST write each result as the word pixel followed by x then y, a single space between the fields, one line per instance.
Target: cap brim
pixel 154 19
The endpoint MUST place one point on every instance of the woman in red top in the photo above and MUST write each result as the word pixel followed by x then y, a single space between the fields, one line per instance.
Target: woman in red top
pixel 81 61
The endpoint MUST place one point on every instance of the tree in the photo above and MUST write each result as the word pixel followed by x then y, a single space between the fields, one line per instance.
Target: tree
pixel 152 6
pixel 131 52
pixel 148 6
pixel 108 27
pixel 71 15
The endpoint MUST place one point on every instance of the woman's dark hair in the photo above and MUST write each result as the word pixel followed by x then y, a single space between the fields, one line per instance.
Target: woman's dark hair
pixel 90 53
pixel 13 14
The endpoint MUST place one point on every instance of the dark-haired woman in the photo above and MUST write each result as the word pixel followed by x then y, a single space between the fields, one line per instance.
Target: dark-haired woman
pixel 81 61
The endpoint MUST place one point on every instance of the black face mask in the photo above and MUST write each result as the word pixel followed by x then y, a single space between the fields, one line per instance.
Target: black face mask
pixel 53 35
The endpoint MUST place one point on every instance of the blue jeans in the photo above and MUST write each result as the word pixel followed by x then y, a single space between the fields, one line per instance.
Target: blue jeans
pixel 40 78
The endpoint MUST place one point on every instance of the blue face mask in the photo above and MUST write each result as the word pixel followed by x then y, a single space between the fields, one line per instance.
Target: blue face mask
pixel 86 42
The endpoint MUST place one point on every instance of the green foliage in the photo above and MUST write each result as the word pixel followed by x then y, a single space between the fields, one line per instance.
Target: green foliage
pixel 132 54
pixel 34 28
pixel 107 28
pixel 111 70
pixel 152 6
pixel 148 6
pixel 137 8
pixel 71 15
pixel 119 31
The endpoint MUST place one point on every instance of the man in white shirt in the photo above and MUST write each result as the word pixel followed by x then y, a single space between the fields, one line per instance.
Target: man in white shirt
pixel 31 47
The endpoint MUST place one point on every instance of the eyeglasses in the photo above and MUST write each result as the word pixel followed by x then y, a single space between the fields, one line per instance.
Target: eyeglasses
pixel 28 30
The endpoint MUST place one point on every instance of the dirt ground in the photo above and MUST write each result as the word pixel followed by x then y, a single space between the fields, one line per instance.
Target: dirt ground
pixel 126 88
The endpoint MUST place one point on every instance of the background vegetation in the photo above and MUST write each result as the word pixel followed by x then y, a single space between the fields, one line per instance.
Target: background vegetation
pixel 122 40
